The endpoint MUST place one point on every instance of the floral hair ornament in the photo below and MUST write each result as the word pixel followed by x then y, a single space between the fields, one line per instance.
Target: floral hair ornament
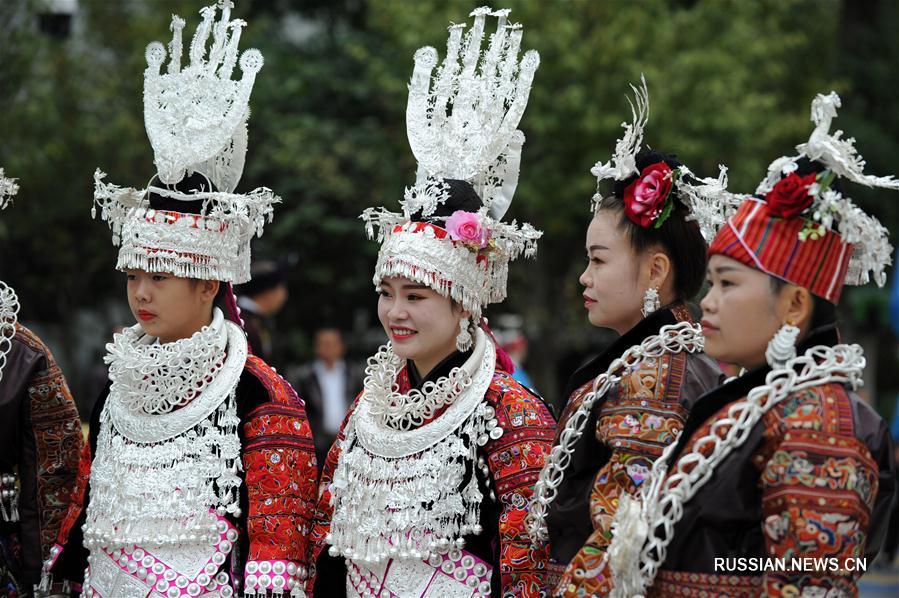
pixel 650 192
pixel 196 120
pixel 470 229
pixel 801 228
pixel 462 126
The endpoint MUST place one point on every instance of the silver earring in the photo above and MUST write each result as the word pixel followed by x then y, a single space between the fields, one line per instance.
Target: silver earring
pixel 651 301
pixel 782 348
pixel 463 340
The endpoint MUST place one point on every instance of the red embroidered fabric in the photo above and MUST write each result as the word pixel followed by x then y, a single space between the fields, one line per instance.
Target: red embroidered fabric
pixel 705 585
pixel 279 461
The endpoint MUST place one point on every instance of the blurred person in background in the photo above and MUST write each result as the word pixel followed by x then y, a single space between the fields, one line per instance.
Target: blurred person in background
pixel 511 337
pixel 259 301
pixel 203 472
pixel 425 490
pixel 40 446
pixel 328 385
pixel 645 260
pixel 785 461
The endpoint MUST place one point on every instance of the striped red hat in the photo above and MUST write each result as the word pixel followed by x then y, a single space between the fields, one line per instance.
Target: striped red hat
pixel 805 231
pixel 758 238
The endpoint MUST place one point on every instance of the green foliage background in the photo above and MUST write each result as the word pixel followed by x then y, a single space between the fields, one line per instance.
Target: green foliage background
pixel 730 82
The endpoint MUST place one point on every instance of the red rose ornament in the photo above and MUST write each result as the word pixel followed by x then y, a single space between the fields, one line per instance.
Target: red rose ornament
pixel 645 198
pixel 790 197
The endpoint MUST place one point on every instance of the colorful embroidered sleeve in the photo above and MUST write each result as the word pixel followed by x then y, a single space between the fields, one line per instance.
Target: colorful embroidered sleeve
pixel 818 486
pixel 49 468
pixel 279 461
pixel 76 506
pixel 515 460
pixel 637 423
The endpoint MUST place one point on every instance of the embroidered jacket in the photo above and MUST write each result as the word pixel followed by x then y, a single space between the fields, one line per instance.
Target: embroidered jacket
pixel 630 427
pixel 40 443
pixel 514 461
pixel 277 494
pixel 814 479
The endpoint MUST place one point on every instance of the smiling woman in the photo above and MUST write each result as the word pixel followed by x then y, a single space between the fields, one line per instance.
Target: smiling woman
pixel 422 324
pixel 442 414
pixel 425 491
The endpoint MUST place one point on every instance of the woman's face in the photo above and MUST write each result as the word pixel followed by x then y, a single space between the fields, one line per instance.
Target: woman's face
pixel 740 313
pixel 169 307
pixel 421 323
pixel 613 294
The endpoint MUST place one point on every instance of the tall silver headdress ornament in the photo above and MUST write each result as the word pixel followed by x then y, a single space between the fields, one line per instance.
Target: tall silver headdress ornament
pixel 9 302
pixel 196 119
pixel 465 125
pixel 707 199
pixel 8 188
pixel 462 124
pixel 829 209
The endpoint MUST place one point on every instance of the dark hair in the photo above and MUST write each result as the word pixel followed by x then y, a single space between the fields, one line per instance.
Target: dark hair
pixel 193 182
pixel 824 313
pixel 678 237
pixel 462 196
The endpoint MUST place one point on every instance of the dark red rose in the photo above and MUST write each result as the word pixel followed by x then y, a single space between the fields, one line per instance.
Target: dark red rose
pixel 645 198
pixel 790 197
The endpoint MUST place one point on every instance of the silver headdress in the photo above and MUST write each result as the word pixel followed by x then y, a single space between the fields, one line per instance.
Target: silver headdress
pixel 8 188
pixel 196 120
pixel 9 302
pixel 462 124
pixel 830 209
pixel 707 199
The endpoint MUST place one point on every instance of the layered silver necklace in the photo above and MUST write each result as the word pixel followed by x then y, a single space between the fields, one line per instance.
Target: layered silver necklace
pixel 9 314
pixel 397 492
pixel 168 453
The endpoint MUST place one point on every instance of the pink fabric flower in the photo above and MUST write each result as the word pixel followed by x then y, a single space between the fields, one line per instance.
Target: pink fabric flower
pixel 468 228
pixel 645 197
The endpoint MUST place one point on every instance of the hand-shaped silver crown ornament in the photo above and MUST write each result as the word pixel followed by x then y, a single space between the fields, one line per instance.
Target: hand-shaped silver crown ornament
pixel 462 122
pixel 196 116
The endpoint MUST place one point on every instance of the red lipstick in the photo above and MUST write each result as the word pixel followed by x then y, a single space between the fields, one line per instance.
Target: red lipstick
pixel 399 334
